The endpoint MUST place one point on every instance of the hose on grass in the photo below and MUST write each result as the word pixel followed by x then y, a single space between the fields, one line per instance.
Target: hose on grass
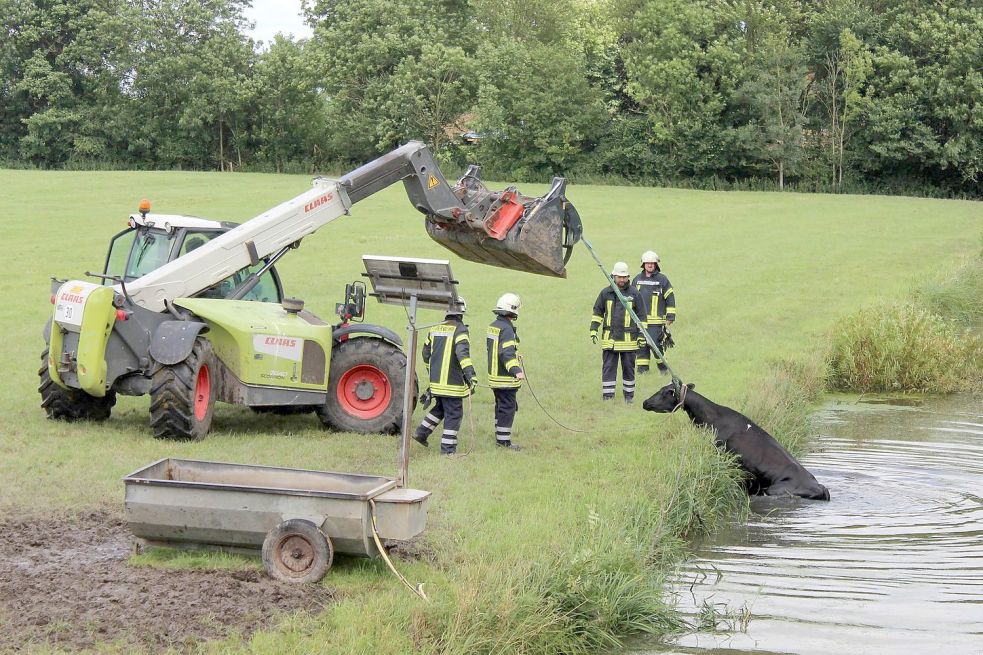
pixel 418 589
pixel 528 385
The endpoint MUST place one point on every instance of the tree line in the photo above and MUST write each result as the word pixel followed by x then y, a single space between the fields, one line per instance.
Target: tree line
pixel 818 94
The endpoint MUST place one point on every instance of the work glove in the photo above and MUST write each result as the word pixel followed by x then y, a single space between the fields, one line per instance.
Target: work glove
pixel 593 337
pixel 426 398
pixel 667 341
pixel 641 343
pixel 473 385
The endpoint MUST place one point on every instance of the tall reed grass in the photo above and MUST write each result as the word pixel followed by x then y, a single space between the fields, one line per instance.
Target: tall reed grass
pixel 933 344
pixel 903 348
pixel 782 400
pixel 959 296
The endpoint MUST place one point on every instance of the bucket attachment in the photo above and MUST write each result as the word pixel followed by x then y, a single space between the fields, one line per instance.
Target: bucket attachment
pixel 507 229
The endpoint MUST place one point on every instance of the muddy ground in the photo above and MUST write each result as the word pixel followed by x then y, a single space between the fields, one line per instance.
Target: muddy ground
pixel 66 583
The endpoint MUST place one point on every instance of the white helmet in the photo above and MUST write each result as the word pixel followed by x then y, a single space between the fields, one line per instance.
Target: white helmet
pixel 650 257
pixel 509 303
pixel 458 307
pixel 620 270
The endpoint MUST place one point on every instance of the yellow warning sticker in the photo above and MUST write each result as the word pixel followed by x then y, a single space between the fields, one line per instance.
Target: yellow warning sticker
pixel 432 182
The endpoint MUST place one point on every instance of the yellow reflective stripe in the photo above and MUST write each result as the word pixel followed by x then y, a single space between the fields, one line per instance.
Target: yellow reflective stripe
pixel 466 362
pixel 512 362
pixel 461 337
pixel 445 362
pixel 452 391
pixel 493 333
pixel 668 292
pixel 597 319
pixel 502 378
pixel 505 383
pixel 510 343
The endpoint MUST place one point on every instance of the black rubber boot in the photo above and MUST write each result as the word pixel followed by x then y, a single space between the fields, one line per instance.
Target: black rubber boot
pixel 421 439
pixel 607 397
pixel 508 444
pixel 629 399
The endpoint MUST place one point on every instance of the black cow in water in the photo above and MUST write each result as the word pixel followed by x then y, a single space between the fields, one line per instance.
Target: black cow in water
pixel 773 471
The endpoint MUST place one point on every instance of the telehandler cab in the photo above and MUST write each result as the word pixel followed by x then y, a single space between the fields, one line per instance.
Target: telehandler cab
pixel 191 311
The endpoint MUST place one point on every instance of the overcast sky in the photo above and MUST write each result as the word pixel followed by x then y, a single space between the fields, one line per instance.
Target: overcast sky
pixel 272 16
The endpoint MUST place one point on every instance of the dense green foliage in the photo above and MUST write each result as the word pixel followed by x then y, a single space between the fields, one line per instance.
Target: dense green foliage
pixel 831 95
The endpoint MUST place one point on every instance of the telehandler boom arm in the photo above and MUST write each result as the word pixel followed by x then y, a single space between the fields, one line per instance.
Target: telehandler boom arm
pixel 499 228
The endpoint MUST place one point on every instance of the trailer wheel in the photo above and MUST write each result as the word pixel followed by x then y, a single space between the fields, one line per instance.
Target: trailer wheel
pixel 297 551
pixel 365 387
pixel 182 396
pixel 71 404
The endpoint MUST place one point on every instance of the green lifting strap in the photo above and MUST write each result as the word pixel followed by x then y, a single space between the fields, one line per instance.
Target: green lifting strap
pixel 676 382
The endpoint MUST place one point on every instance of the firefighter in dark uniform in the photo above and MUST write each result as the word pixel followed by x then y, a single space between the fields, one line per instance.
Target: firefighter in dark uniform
pixel 447 354
pixel 505 373
pixel 619 335
pixel 660 307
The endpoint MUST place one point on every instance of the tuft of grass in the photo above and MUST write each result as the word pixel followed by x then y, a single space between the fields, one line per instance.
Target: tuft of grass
pixel 781 400
pixel 904 348
pixel 959 296
pixel 719 617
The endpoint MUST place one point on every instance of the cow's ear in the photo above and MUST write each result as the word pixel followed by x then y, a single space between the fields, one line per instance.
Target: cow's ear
pixel 690 386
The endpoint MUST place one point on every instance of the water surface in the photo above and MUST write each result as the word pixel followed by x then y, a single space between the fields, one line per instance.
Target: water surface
pixel 892 564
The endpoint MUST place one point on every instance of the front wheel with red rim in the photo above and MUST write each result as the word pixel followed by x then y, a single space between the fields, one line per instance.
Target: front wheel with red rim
pixel 182 396
pixel 364 391
pixel 365 387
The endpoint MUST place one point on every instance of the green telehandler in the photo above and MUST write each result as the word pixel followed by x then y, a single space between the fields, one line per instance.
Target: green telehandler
pixel 192 312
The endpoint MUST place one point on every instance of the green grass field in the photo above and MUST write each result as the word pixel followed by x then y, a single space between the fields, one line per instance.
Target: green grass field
pixel 523 550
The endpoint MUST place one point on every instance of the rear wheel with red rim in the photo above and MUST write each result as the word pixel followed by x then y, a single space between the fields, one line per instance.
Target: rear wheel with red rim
pixel 365 387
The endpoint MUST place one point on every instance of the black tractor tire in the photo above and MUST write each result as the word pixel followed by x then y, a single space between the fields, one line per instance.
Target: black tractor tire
pixel 71 404
pixel 365 387
pixel 297 551
pixel 182 396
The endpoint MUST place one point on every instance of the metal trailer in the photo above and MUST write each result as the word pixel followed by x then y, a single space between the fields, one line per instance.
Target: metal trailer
pixel 299 518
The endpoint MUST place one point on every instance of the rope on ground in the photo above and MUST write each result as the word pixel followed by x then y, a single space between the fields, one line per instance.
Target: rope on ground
pixel 528 385
pixel 634 317
pixel 418 589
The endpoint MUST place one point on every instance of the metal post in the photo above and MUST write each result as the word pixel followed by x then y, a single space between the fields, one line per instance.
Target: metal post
pixel 408 393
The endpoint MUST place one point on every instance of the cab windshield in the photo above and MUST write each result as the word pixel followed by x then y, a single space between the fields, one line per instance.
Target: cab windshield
pixel 134 253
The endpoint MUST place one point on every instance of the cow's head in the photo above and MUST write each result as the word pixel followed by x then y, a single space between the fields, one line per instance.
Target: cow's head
pixel 664 400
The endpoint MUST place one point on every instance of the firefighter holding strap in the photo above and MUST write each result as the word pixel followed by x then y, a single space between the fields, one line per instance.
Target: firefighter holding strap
pixel 447 354
pixel 660 307
pixel 505 374
pixel 620 337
